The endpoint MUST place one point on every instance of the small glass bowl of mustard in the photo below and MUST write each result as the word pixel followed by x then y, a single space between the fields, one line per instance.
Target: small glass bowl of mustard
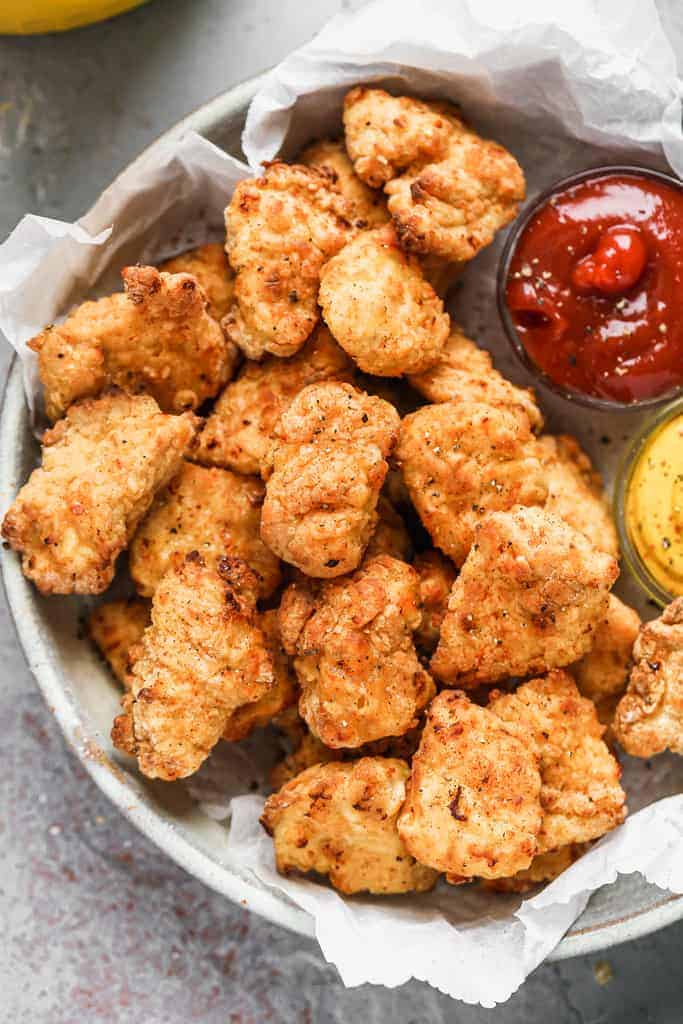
pixel 648 504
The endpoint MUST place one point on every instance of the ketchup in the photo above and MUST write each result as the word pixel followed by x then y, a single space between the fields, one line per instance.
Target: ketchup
pixel 595 283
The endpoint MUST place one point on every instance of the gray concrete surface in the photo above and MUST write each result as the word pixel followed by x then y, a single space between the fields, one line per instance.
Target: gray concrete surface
pixel 97 925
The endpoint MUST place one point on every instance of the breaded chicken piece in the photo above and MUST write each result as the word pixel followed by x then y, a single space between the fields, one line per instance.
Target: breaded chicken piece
pixel 209 265
pixel 576 493
pixel 465 372
pixel 212 511
pixel 473 801
pixel 309 751
pixel 281 229
pixel 649 718
pixel 603 672
pixel 369 205
pixel 391 535
pixel 379 307
pixel 283 694
pixel 324 473
pixel 437 576
pixel 464 459
pixel 580 792
pixel 102 465
pixel 354 653
pixel 203 657
pixel 529 598
pixel 237 434
pixel 544 868
pixel 114 628
pixel 340 820
pixel 155 337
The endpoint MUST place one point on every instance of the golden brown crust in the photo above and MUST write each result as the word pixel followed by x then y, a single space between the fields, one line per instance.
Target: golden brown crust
pixel 391 536
pixel 209 265
pixel 281 229
pixel 340 820
pixel 544 868
pixel 462 460
pixel 369 205
pixel 309 751
pixel 473 801
pixel 156 337
pixel 102 465
pixel 437 576
pixel 115 627
pixel 324 474
pixel 604 671
pixel 529 598
pixel 212 511
pixel 355 658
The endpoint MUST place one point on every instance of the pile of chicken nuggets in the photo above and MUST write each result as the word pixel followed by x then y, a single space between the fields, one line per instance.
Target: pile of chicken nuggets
pixel 341 521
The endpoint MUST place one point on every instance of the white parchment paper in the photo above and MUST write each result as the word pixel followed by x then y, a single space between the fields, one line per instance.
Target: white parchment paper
pixel 565 86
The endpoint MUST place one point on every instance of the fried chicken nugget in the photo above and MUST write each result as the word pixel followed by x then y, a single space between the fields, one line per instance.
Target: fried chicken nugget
pixel 354 653
pixel 115 628
pixel 309 751
pixel 464 459
pixel 281 229
pixel 324 473
pixel 369 205
pixel 380 308
pixel 603 672
pixel 209 265
pixel 340 820
pixel 155 337
pixel 544 868
pixel 649 717
pixel 237 434
pixel 212 511
pixel 473 801
pixel 465 372
pixel 530 597
pixel 576 493
pixel 437 576
pixel 102 465
pixel 580 792
pixel 391 535
pixel 203 657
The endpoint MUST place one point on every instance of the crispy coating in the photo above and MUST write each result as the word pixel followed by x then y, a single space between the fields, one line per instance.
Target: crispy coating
pixel 575 491
pixel 203 657
pixel 102 465
pixel 529 598
pixel 209 265
pixel 465 372
pixel 212 511
pixel 649 717
pixel 391 535
pixel 544 868
pixel 464 459
pixel 340 820
pixel 309 751
pixel 380 308
pixel 580 792
pixel 473 800
pixel 369 205
pixel 237 434
pixel 604 671
pixel 437 576
pixel 324 473
pixel 155 337
pixel 354 653
pixel 281 228
pixel 114 628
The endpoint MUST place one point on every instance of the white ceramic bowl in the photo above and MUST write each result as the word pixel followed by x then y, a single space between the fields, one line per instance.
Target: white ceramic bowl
pixel 84 699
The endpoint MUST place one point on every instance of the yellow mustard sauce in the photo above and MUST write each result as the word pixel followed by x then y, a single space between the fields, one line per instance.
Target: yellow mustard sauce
pixel 654 506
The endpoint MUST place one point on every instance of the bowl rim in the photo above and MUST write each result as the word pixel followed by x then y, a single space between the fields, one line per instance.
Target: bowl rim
pixel 85 741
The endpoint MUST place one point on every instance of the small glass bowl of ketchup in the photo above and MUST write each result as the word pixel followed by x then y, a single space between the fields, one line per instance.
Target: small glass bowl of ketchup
pixel 590 283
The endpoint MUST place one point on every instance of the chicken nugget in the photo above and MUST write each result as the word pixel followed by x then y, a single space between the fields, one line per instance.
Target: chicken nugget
pixel 281 229
pixel 340 820
pixel 155 337
pixel 391 535
pixel 580 792
pixel 209 265
pixel 473 801
pixel 530 597
pixel 464 459
pixel 308 751
pixel 354 653
pixel 379 307
pixel 324 473
pixel 649 717
pixel 544 868
pixel 114 628
pixel 369 205
pixel 237 434
pixel 212 511
pixel 603 672
pixel 101 467
pixel 203 657
pixel 437 576
pixel 576 493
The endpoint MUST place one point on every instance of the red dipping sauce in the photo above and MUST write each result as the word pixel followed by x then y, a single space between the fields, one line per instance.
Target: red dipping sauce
pixel 595 284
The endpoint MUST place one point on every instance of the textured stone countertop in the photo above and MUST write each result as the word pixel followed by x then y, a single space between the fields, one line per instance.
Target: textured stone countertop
pixel 98 926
